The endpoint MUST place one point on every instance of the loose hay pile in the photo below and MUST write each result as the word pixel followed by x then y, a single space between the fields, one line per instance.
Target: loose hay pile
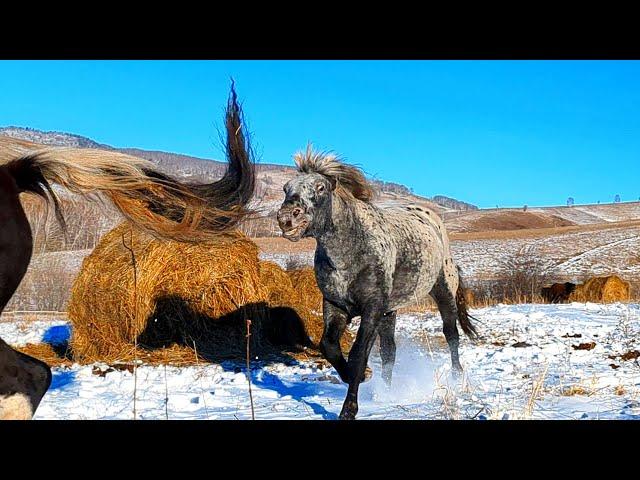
pixel 601 289
pixel 188 301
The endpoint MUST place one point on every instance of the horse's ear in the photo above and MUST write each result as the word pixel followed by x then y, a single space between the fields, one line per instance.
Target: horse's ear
pixel 333 182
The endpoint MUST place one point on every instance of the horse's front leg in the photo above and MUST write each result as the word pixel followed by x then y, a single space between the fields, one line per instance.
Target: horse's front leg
pixel 335 322
pixel 358 357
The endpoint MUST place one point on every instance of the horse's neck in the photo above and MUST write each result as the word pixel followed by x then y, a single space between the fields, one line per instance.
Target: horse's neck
pixel 341 228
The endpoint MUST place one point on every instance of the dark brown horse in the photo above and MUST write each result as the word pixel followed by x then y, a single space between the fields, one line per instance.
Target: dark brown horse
pixel 558 292
pixel 150 199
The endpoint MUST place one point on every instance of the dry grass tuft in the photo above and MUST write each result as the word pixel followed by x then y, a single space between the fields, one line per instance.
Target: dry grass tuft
pixel 576 390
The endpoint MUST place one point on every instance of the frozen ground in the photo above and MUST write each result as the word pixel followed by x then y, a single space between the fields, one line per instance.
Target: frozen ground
pixel 526 366
pixel 573 255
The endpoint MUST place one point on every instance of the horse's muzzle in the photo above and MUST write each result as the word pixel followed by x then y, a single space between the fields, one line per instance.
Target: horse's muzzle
pixel 293 222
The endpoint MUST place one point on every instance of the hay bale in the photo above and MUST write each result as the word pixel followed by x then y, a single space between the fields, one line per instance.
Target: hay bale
pixel 310 298
pixel 184 303
pixel 602 290
pixel 184 293
pixel 304 281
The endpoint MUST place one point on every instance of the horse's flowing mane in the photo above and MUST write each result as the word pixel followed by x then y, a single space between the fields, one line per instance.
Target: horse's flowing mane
pixel 346 179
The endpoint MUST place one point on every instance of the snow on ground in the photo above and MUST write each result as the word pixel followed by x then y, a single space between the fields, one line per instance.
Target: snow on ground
pixel 525 366
pixel 577 254
pixel 283 259
pixel 20 332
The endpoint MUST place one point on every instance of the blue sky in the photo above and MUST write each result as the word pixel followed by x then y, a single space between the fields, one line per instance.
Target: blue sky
pixel 504 133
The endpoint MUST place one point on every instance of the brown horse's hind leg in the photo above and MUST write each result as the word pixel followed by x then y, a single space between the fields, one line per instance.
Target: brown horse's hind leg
pixel 23 379
pixel 445 297
pixel 386 331
pixel 23 382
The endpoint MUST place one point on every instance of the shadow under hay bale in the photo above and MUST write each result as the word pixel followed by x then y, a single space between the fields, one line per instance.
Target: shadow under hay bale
pixel 274 331
pixel 602 290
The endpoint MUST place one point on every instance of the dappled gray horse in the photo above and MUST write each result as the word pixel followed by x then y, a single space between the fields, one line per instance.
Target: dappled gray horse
pixel 369 262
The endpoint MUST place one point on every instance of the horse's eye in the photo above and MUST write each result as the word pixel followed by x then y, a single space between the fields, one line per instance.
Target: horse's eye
pixel 320 188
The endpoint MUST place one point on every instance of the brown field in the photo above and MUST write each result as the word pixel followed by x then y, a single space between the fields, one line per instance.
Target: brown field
pixel 282 245
pixel 513 220
pixel 541 232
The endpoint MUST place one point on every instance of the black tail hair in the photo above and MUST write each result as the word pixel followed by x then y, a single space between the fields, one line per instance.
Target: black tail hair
pixel 237 186
pixel 29 178
pixel 463 314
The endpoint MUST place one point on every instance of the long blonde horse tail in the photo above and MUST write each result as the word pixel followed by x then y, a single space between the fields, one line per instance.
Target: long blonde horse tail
pixel 150 199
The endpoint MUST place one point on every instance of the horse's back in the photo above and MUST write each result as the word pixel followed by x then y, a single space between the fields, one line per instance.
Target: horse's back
pixel 421 252
pixel 420 225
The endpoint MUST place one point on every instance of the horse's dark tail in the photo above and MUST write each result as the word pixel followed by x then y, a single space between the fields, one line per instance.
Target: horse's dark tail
pixel 150 199
pixel 463 314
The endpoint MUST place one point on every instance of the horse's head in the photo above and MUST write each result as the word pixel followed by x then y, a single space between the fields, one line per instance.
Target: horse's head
pixel 307 204
pixel 307 198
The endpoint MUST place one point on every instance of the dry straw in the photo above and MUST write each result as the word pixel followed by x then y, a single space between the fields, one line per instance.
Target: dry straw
pixel 183 290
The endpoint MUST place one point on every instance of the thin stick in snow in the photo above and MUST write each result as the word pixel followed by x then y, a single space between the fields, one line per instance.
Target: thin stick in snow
pixel 253 414
pixel 135 303
pixel 166 394
pixel 204 400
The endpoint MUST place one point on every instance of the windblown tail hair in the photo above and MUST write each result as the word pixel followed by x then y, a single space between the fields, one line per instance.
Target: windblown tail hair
pixel 151 200
pixel 463 314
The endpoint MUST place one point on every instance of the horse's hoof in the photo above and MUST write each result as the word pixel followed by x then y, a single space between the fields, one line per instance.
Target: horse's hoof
pixel 457 371
pixel 347 415
pixel 349 411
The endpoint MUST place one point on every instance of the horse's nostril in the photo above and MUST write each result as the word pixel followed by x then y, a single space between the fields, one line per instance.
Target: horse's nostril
pixel 297 211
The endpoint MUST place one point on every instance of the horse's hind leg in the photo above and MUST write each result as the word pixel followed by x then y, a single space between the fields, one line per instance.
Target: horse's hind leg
pixel 445 298
pixel 23 382
pixel 23 379
pixel 386 331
